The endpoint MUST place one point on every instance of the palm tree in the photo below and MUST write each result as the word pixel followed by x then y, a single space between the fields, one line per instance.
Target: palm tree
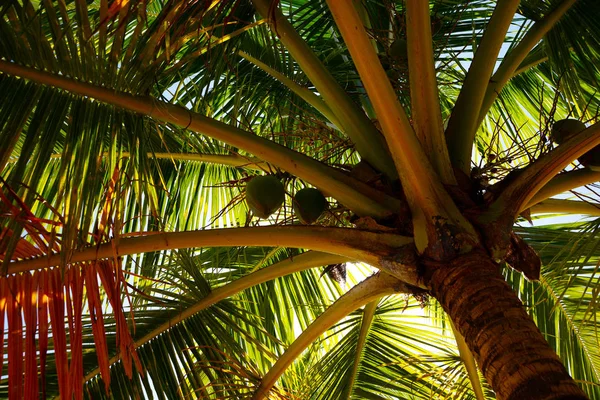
pixel 133 267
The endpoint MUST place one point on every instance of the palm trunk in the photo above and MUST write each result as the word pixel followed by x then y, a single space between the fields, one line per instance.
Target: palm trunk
pixel 509 348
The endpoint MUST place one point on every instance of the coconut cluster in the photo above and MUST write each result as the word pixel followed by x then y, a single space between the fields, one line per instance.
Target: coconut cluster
pixel 564 130
pixel 265 195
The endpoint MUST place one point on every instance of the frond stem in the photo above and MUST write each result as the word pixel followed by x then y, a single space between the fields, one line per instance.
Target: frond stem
pixel 356 244
pixel 428 199
pixel 232 160
pixel 562 183
pixel 368 290
pixel 365 326
pixel 469 362
pixel 426 112
pixel 346 189
pixel 462 126
pixel 534 177
pixel 354 122
pixel 285 267
pixel 529 63
pixel 517 55
pixel 301 91
pixel 566 206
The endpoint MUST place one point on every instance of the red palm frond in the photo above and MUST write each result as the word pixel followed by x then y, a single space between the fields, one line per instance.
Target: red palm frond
pixel 44 310
pixel 53 300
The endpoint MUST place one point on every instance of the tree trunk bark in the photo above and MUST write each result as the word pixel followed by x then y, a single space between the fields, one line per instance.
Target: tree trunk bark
pixel 512 353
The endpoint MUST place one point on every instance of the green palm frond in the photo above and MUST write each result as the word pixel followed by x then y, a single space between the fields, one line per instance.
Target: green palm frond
pixel 77 173
pixel 564 302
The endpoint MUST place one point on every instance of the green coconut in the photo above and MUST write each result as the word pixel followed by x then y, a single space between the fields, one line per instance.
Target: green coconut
pixel 563 129
pixel 264 195
pixel 591 158
pixel 309 204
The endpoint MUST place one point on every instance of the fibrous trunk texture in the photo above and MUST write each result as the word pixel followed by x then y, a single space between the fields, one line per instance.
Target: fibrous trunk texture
pixel 509 348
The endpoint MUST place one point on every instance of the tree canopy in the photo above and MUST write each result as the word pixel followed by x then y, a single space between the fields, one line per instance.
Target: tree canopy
pixel 132 266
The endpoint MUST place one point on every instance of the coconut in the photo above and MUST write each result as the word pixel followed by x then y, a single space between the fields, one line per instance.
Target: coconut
pixel 399 50
pixel 591 158
pixel 309 204
pixel 264 195
pixel 563 129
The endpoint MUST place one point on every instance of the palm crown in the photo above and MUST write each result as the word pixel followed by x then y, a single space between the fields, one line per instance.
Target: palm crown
pixel 132 266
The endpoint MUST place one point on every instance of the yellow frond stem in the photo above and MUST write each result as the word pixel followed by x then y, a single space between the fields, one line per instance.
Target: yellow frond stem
pixel 563 183
pixel 358 245
pixel 533 178
pixel 421 184
pixel 365 326
pixel 336 183
pixel 426 112
pixel 462 125
pixel 288 266
pixel 517 55
pixel 566 206
pixel 368 290
pixel 301 91
pixel 469 362
pixel 354 122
